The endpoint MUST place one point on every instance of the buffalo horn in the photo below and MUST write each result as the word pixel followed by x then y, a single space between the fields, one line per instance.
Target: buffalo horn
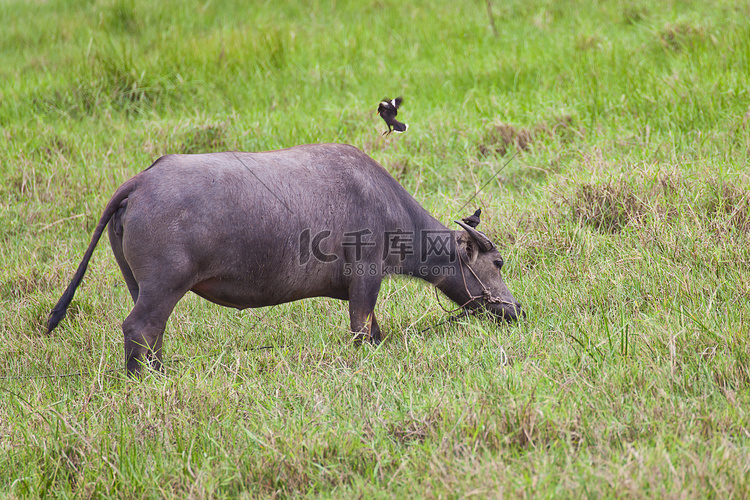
pixel 482 240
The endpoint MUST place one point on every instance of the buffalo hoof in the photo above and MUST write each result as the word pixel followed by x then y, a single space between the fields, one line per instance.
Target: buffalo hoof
pixel 359 338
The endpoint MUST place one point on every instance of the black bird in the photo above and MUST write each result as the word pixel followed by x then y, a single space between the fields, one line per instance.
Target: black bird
pixel 388 109
pixel 473 220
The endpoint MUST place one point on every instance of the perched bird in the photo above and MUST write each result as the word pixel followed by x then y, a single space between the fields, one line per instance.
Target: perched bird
pixel 473 220
pixel 388 109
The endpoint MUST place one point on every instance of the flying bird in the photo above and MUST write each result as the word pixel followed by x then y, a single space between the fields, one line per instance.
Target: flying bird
pixel 388 109
pixel 473 220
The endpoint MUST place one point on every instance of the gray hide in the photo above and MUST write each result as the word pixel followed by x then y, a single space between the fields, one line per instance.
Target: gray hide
pixel 259 229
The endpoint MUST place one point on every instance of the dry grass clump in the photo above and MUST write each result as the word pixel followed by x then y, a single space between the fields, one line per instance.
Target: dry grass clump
pixel 727 206
pixel 500 137
pixel 414 429
pixel 615 204
pixel 607 207
pixel 634 14
pixel 503 136
pixel 612 205
pixel 535 237
pixel 562 128
pixel 677 36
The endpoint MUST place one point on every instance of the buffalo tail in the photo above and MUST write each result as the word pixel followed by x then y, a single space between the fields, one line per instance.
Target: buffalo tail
pixel 59 311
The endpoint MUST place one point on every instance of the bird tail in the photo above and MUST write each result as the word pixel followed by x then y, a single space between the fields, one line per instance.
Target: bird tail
pixel 400 127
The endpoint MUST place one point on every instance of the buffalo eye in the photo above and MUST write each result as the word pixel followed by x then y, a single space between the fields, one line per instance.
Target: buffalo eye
pixel 499 263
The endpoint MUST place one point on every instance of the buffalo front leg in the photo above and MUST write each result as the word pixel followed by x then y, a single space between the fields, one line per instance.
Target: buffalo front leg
pixel 143 329
pixel 363 294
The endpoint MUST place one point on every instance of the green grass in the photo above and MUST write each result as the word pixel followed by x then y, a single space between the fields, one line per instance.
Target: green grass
pixel 623 220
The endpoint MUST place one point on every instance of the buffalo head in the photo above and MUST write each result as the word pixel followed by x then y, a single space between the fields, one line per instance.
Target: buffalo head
pixel 477 283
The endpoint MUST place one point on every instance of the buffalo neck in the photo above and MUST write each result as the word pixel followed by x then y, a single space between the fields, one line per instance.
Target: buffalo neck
pixel 434 252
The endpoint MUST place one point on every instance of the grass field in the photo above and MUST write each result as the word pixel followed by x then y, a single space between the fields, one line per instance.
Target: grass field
pixel 623 216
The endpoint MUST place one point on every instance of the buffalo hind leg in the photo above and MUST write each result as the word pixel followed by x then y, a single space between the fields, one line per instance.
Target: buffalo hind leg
pixel 115 241
pixel 363 294
pixel 143 329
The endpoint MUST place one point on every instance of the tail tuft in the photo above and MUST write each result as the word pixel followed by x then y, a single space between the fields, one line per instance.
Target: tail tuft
pixel 54 318
pixel 61 308
pixel 58 312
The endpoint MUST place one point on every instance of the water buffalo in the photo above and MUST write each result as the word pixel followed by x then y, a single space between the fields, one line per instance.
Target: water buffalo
pixel 260 229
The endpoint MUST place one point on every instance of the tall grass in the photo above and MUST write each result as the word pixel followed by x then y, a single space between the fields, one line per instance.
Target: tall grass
pixel 623 218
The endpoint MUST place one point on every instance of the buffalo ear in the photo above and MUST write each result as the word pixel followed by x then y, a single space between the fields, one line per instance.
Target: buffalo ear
pixel 467 248
pixel 479 237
